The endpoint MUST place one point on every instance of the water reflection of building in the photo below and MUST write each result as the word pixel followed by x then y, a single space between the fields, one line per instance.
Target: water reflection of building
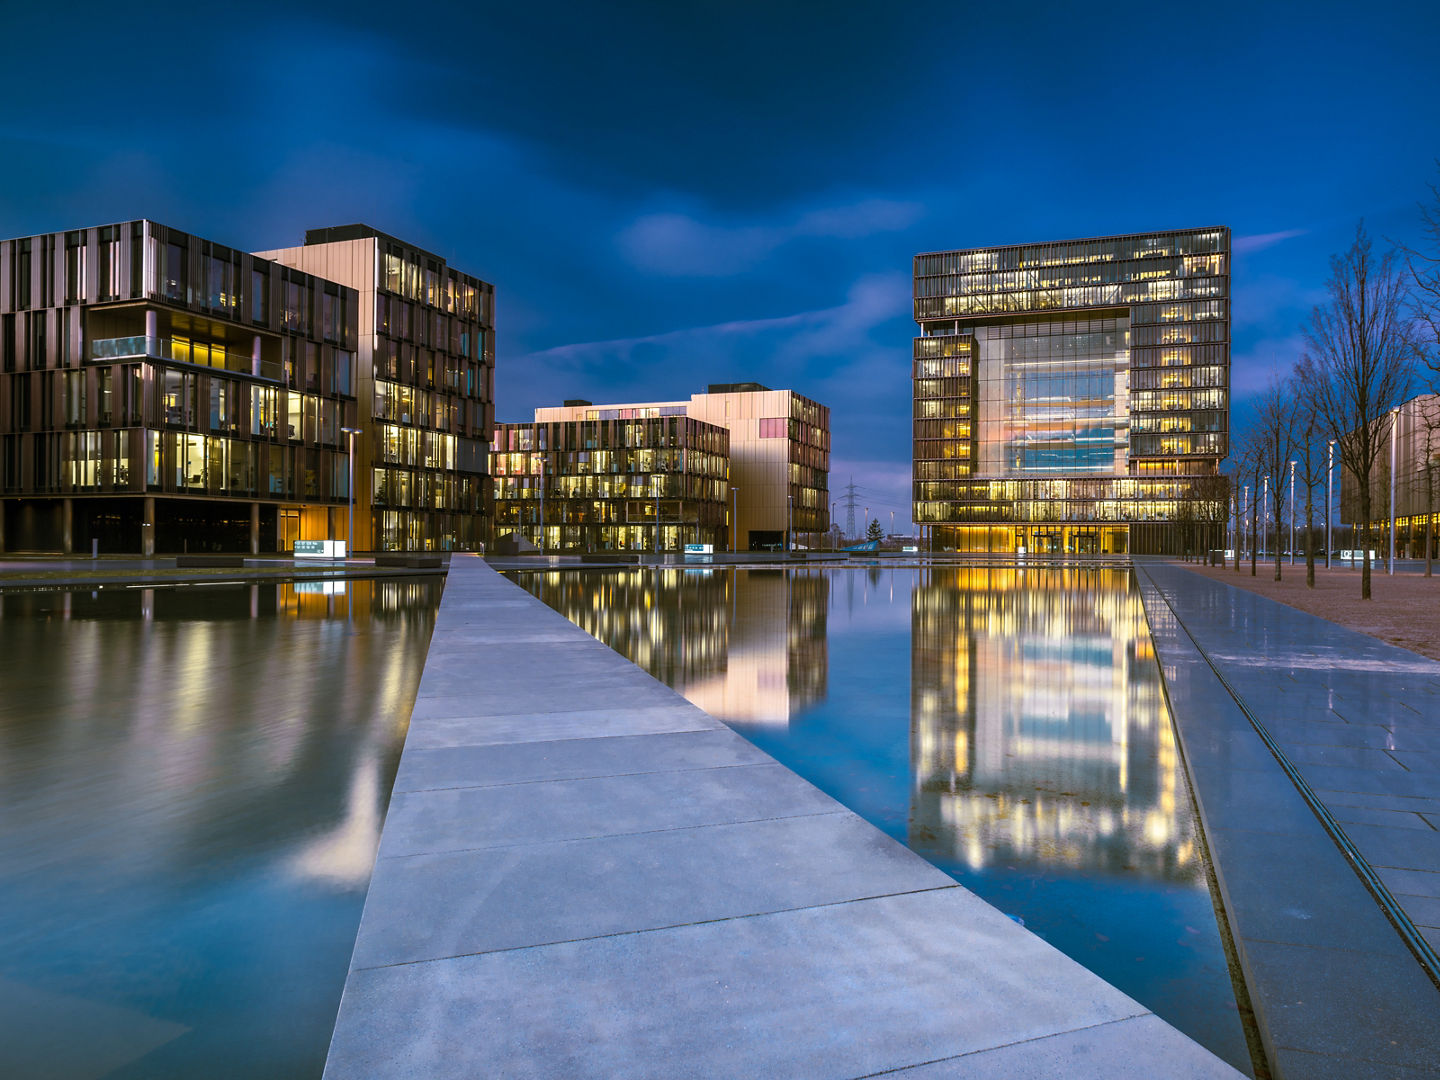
pixel 1038 730
pixel 746 646
pixel 777 662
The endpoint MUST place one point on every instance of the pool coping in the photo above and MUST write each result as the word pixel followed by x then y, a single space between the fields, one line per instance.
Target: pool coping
pixel 581 873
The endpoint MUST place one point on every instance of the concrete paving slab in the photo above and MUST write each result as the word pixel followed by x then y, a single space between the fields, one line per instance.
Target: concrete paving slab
pixel 472 729
pixel 572 759
pixel 1389 1013
pixel 1390 819
pixel 1137 1048
pixel 453 819
pixel 459 903
pixel 835 991
pixel 1328 1067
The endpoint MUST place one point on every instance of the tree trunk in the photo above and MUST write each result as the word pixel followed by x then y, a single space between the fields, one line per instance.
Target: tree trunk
pixel 1279 510
pixel 1237 533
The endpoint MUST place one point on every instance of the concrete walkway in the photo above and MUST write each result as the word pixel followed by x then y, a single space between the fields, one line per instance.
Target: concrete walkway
pixel 581 874
pixel 1314 752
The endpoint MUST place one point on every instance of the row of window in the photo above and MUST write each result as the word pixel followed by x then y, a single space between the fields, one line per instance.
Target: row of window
pixel 1142 293
pixel 1075 252
pixel 426 490
pixel 613 486
pixel 1114 272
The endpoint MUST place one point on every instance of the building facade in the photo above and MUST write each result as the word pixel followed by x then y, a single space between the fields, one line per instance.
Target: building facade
pixel 1071 397
pixel 1416 427
pixel 425 385
pixel 656 481
pixel 779 447
pixel 161 392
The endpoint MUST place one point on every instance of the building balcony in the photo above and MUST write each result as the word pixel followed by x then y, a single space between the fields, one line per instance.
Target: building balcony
pixel 182 351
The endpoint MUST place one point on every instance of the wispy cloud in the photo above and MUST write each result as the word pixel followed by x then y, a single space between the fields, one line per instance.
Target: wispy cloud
pixel 806 350
pixel 1244 245
pixel 685 246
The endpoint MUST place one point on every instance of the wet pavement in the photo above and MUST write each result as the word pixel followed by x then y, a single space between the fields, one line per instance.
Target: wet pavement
pixel 1315 755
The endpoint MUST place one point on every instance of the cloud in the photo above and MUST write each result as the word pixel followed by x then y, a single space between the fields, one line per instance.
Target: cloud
pixel 1244 245
pixel 682 245
pixel 1268 359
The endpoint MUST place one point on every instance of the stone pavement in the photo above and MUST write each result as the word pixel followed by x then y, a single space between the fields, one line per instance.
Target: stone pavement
pixel 1314 752
pixel 581 874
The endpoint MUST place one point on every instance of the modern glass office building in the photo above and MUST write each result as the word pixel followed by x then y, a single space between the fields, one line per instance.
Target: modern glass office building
pixel 1073 397
pixel 778 447
pixel 653 480
pixel 426 388
pixel 159 391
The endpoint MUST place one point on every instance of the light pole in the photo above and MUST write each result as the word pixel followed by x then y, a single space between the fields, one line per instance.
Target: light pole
pixel 1244 513
pixel 1329 495
pixel 789 520
pixel 1265 520
pixel 350 529
pixel 865 532
pixel 1292 513
pixel 892 522
pixel 833 525
pixel 1394 439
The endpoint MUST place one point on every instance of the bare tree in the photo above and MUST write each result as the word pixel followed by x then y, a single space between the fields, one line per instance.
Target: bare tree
pixel 1424 269
pixel 1359 363
pixel 1273 440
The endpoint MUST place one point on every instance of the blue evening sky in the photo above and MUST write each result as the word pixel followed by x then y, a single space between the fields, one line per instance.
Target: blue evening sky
pixel 671 194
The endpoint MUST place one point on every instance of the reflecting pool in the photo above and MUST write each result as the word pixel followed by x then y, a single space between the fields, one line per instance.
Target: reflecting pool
pixel 192 783
pixel 1005 722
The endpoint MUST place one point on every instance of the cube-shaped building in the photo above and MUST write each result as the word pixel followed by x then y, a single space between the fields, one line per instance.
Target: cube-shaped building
pixel 1073 397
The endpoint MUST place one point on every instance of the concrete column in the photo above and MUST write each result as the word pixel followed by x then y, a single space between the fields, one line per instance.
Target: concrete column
pixel 255 356
pixel 147 529
pixel 67 525
pixel 254 528
pixel 3 505
pixel 152 327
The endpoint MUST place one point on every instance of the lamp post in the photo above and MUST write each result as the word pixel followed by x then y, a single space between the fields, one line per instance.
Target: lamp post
pixel 1292 513
pixel 865 532
pixel 833 525
pixel 1394 438
pixel 734 519
pixel 1244 513
pixel 1329 495
pixel 789 520
pixel 350 529
pixel 1265 519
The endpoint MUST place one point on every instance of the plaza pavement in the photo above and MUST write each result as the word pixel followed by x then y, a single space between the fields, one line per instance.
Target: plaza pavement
pixel 1314 752
pixel 582 874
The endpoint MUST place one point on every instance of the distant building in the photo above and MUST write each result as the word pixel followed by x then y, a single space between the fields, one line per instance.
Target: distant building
pixel 426 388
pixel 1072 397
pixel 162 392
pixel 637 483
pixel 1417 482
pixel 779 457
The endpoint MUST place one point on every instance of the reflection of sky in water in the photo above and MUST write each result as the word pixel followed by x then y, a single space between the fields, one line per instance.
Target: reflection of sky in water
pixel 1006 724
pixel 192 784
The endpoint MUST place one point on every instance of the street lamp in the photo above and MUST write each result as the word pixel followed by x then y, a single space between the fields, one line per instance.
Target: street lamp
pixel 1329 495
pixel 350 529
pixel 1265 520
pixel 1394 438
pixel 734 519
pixel 1244 513
pixel 1292 513
pixel 789 520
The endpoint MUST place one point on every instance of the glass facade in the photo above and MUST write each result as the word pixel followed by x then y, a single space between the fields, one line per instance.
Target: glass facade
pixel 637 484
pixel 1068 383
pixel 160 391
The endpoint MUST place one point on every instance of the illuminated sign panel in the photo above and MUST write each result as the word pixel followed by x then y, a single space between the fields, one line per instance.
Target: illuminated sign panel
pixel 319 549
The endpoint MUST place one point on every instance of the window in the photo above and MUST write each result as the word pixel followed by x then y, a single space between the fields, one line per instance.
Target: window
pixel 174 273
pixel 259 296
pixel 773 428
pixel 74 267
